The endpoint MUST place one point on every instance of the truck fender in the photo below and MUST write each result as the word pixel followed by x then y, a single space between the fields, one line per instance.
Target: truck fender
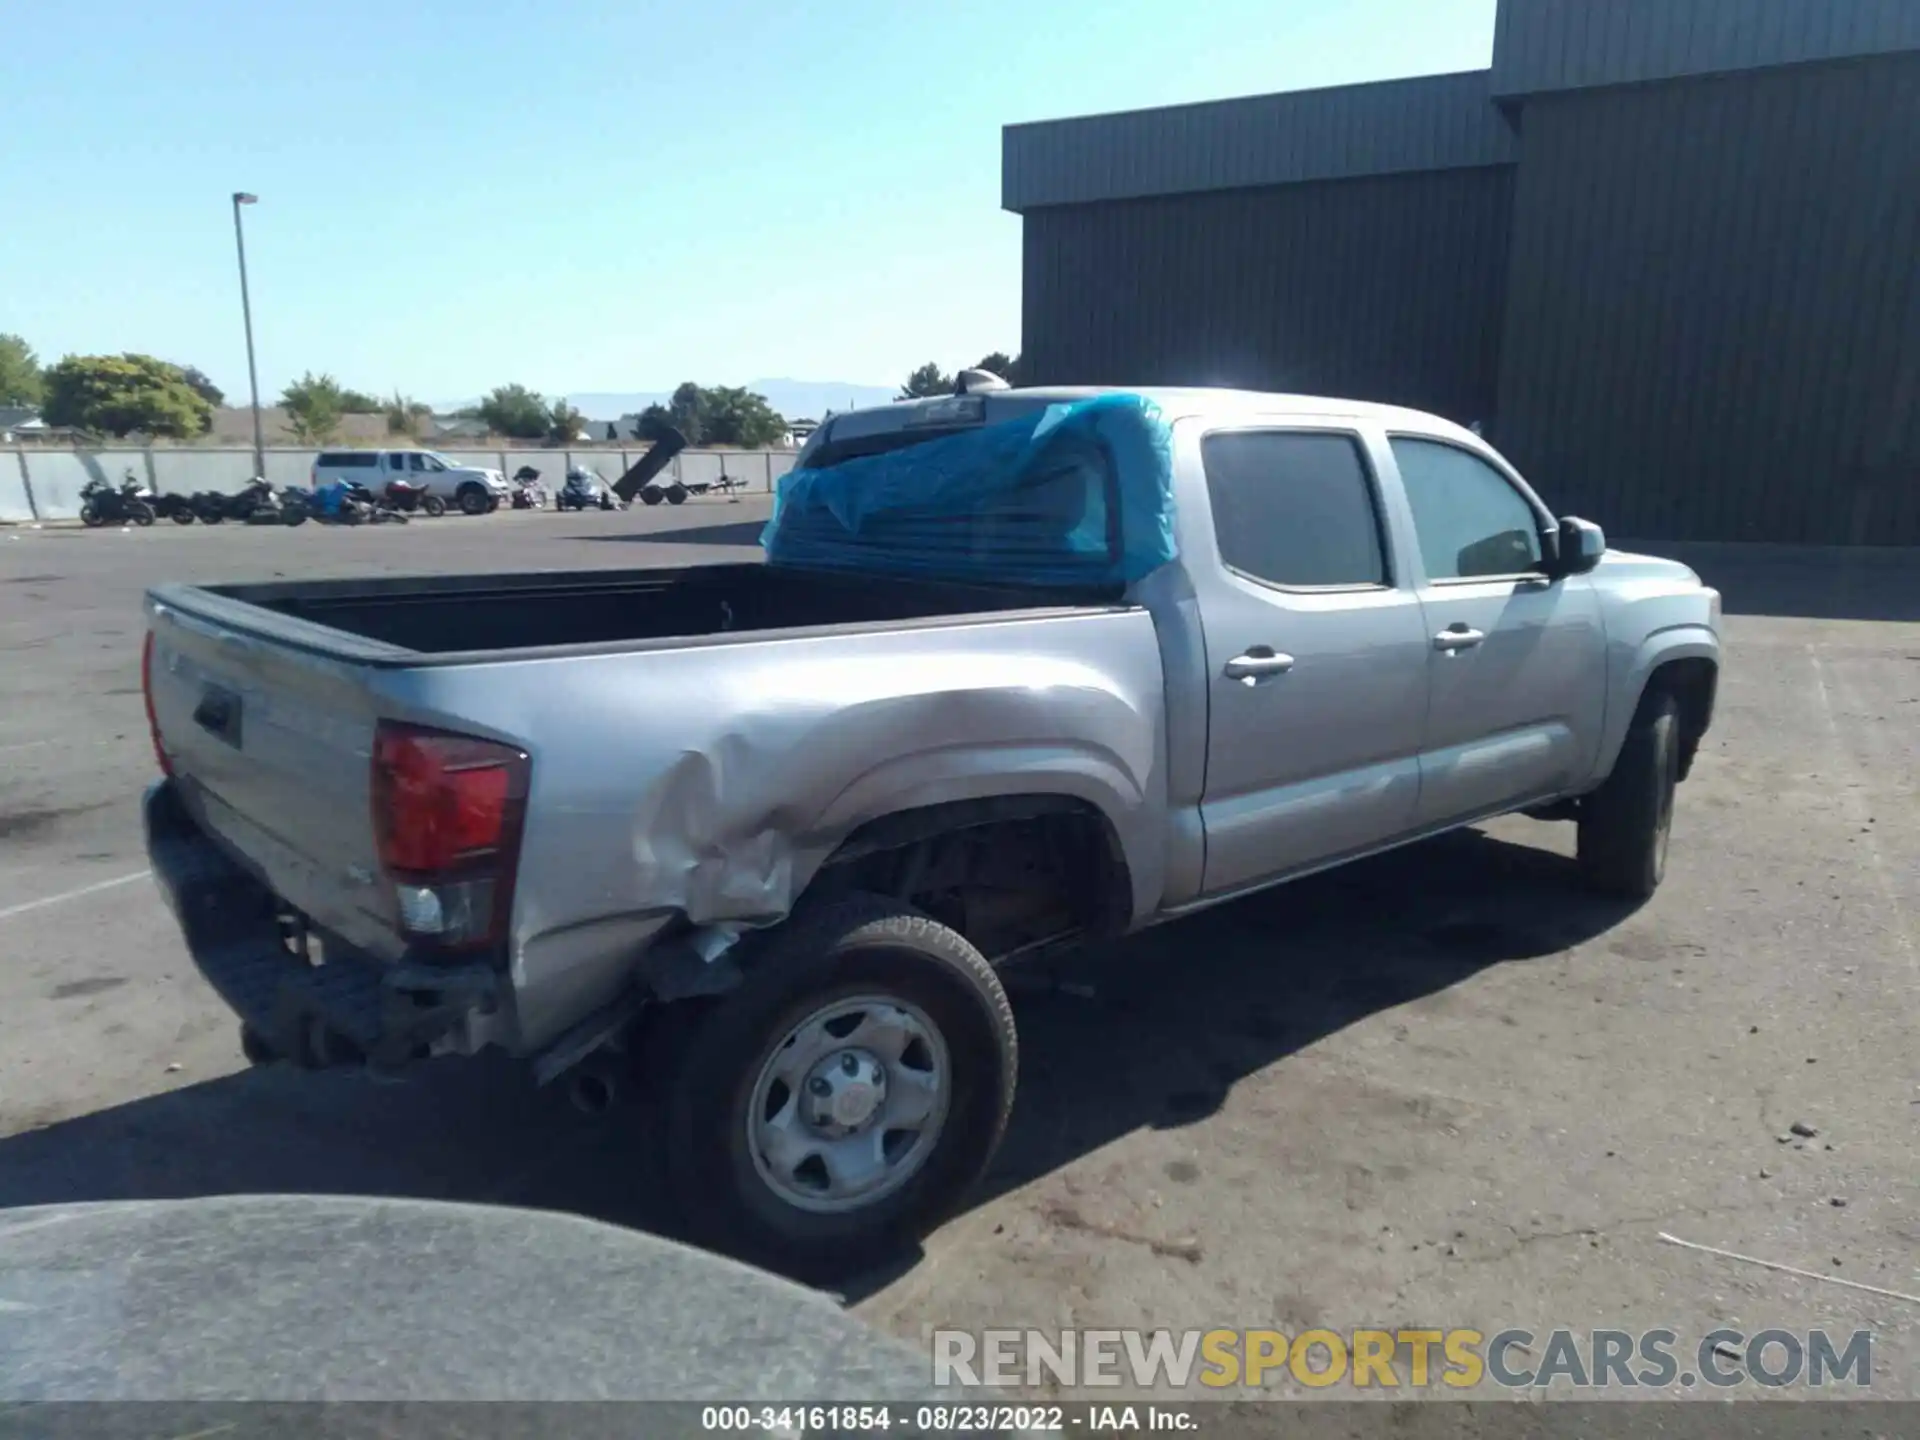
pixel 1663 647
pixel 1127 802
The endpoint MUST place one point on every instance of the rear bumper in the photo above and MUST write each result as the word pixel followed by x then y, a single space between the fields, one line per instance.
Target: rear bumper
pixel 348 1010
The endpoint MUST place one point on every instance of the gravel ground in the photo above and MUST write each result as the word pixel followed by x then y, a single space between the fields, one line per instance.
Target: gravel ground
pixel 1441 1088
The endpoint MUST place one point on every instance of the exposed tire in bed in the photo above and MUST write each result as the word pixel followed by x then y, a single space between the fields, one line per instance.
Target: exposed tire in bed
pixel 1625 824
pixel 833 1108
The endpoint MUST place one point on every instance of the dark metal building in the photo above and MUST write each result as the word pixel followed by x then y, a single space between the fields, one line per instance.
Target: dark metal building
pixel 1667 250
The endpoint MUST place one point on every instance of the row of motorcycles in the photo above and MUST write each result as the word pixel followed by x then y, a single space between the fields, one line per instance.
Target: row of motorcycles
pixel 132 503
pixel 259 503
pixel 585 490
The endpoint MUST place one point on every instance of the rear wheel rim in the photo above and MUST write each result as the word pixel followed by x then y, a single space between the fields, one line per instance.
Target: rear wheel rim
pixel 849 1104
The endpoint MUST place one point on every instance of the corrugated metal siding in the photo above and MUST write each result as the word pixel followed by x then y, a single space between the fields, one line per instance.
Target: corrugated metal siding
pixel 1434 122
pixel 1386 288
pixel 1542 45
pixel 1713 309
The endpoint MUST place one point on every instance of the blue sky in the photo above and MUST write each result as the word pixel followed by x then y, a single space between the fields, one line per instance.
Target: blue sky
pixel 586 195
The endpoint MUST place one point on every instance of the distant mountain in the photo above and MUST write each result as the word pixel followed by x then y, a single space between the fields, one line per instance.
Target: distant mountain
pixel 795 399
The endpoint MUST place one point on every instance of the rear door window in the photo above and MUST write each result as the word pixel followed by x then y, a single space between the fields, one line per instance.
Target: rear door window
pixel 1295 508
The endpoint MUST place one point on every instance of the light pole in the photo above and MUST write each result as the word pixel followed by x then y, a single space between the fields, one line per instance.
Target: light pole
pixel 240 197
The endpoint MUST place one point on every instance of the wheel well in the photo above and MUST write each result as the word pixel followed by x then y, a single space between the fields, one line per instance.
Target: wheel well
pixel 466 485
pixel 1008 872
pixel 1691 683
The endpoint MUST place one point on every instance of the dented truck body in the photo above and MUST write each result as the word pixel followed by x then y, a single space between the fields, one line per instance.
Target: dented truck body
pixel 418 816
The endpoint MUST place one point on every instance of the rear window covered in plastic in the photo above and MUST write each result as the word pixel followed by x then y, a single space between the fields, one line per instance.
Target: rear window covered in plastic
pixel 1076 494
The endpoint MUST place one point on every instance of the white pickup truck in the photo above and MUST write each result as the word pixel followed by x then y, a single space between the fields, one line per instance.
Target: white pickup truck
pixel 799 813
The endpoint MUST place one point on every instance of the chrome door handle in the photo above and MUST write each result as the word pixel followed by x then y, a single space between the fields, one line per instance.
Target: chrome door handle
pixel 1257 664
pixel 1458 637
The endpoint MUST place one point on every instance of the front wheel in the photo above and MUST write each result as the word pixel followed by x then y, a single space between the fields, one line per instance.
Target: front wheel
pixel 180 515
pixel 833 1108
pixel 472 501
pixel 1626 823
pixel 92 516
pixel 434 506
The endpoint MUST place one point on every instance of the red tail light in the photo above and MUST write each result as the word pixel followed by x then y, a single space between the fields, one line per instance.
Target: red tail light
pixel 146 695
pixel 447 812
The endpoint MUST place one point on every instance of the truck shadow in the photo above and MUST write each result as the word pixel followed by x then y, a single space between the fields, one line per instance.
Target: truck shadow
pixel 1153 1031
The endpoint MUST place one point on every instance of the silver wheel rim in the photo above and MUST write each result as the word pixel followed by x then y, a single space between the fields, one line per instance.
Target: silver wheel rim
pixel 849 1104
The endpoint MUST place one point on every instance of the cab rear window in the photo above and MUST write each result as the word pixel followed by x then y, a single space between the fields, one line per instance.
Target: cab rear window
pixel 835 452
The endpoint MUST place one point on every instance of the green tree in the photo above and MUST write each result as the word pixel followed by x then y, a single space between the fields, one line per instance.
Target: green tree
pixel 313 406
pixel 688 407
pixel 564 423
pixel 733 416
pixel 654 422
pixel 404 415
pixel 198 382
pixel 358 402
pixel 20 377
pixel 121 394
pixel 1007 367
pixel 517 411
pixel 929 379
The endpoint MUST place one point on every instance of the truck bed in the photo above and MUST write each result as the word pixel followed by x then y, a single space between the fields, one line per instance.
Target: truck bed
pixel 461 614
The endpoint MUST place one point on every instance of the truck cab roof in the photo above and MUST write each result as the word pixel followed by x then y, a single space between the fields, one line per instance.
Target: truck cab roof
pixel 905 422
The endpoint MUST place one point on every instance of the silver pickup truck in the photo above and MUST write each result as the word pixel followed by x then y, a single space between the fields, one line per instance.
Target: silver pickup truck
pixel 792 820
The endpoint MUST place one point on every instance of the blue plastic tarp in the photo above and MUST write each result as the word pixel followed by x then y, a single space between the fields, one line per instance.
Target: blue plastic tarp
pixel 1076 494
pixel 329 497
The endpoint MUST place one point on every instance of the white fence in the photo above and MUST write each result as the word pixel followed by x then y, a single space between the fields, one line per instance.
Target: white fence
pixel 45 484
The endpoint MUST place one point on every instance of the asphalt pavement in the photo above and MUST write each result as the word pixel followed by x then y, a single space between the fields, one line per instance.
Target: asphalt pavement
pixel 1442 1088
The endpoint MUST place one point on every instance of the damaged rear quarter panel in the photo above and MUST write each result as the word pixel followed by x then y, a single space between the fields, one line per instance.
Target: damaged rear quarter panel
pixel 711 782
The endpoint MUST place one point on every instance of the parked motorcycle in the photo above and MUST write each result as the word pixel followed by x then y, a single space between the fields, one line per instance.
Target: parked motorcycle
pixel 349 502
pixel 529 493
pixel 585 489
pixel 177 508
pixel 101 504
pixel 257 503
pixel 405 496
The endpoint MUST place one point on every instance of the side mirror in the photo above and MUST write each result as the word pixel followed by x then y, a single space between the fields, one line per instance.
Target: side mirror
pixel 1582 543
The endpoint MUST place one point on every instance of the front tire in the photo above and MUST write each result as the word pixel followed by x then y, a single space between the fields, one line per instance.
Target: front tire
pixel 92 516
pixel 434 506
pixel 1625 825
pixel 839 1103
pixel 472 501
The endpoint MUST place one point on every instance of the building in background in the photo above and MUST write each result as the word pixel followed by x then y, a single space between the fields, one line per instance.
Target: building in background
pixel 1665 252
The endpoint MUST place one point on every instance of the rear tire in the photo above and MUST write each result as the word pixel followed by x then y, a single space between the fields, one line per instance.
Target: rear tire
pixel 1625 825
pixel 881 968
pixel 651 494
pixel 181 515
pixel 677 494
